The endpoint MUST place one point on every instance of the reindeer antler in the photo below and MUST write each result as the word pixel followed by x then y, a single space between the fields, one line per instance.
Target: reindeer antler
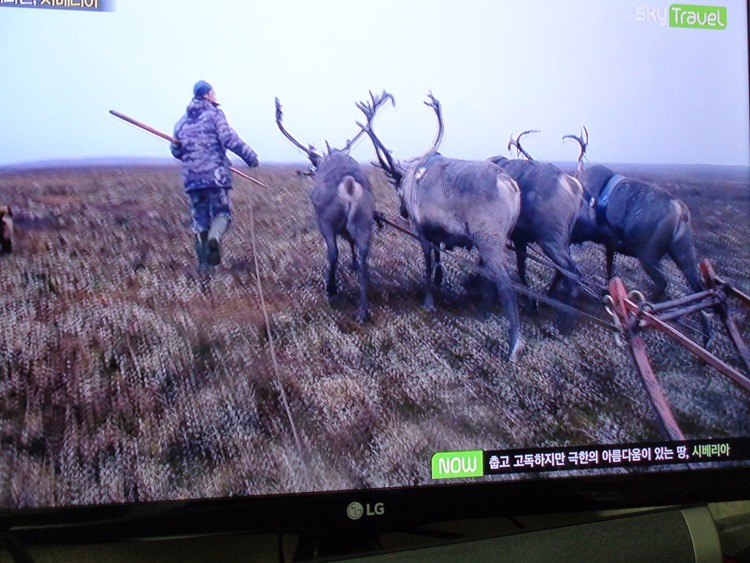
pixel 435 105
pixel 376 102
pixel 314 157
pixel 350 144
pixel 584 143
pixel 516 143
pixel 383 154
pixel 369 109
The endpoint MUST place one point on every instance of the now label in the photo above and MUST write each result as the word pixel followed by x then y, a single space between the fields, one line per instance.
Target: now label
pixel 699 17
pixel 450 465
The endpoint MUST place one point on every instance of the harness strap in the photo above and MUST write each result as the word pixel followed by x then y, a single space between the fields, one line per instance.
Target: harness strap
pixel 603 199
pixel 423 166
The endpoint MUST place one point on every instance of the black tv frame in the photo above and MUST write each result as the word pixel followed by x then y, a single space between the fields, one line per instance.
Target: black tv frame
pixel 404 509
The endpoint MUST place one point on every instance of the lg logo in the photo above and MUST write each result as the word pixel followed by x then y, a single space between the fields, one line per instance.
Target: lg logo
pixel 355 510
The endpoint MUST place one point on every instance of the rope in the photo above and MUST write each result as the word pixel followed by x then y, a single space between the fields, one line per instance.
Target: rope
pixel 517 287
pixel 267 321
pixel 589 286
pixel 522 289
pixel 677 320
pixel 589 289
pixel 684 325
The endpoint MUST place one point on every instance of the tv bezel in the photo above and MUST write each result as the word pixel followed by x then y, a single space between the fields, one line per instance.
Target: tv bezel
pixel 403 509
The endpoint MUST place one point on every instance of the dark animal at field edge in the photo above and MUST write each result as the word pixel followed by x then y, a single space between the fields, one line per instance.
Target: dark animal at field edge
pixel 638 219
pixel 550 200
pixel 343 203
pixel 456 203
pixel 6 229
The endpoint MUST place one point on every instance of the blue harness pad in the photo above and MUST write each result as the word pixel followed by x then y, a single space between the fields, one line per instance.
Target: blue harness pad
pixel 603 200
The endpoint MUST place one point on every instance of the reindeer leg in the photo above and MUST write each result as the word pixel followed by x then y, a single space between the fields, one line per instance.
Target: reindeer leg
pixel 354 254
pixel 333 257
pixel 610 250
pixel 500 276
pixel 683 254
pixel 560 256
pixel 438 269
pixel 429 302
pixel 521 254
pixel 487 289
pixel 651 265
pixel 556 279
pixel 363 281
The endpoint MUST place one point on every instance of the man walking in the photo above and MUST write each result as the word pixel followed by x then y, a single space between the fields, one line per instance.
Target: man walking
pixel 202 137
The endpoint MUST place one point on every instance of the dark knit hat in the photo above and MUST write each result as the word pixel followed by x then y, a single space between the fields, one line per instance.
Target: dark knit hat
pixel 201 88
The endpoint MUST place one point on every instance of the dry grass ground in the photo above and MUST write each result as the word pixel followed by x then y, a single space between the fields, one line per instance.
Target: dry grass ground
pixel 124 376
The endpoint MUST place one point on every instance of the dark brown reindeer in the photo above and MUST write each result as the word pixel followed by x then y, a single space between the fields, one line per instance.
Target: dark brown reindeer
pixel 638 219
pixel 456 203
pixel 343 202
pixel 550 200
pixel 635 218
pixel 6 229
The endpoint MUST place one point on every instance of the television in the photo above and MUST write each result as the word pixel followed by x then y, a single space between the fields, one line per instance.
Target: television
pixel 142 395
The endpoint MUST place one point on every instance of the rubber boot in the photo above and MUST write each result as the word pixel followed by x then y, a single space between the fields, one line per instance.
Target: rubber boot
pixel 219 226
pixel 200 241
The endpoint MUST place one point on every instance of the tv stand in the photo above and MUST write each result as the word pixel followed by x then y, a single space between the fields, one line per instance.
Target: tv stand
pixel 673 534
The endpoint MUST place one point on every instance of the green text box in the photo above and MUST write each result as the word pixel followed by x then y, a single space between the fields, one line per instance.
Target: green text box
pixel 697 17
pixel 452 465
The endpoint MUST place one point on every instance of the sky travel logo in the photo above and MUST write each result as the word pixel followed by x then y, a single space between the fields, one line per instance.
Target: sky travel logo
pixel 699 17
pixel 684 15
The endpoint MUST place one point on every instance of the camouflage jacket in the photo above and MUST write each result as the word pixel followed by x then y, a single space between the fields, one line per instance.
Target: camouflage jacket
pixel 203 136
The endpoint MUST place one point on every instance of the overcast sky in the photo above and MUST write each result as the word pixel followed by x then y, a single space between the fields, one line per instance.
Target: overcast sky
pixel 646 92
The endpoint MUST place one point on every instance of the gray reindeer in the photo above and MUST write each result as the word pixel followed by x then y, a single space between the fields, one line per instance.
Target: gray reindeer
pixel 343 202
pixel 456 203
pixel 550 200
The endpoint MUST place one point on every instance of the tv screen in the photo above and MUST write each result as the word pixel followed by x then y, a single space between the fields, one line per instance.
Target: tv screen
pixel 165 339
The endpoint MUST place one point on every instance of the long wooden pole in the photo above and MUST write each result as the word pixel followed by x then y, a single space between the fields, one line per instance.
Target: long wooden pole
pixel 713 281
pixel 638 350
pixel 738 377
pixel 173 140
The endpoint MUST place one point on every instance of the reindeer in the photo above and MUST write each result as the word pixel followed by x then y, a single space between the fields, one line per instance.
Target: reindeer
pixel 456 203
pixel 343 202
pixel 550 200
pixel 637 219
pixel 6 229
